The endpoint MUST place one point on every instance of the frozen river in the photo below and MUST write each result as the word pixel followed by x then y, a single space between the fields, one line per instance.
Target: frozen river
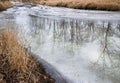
pixel 82 45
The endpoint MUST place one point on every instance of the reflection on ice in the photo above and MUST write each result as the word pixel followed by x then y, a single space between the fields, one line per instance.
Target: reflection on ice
pixel 84 51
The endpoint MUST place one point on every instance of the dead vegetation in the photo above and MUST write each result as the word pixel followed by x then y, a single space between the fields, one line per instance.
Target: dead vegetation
pixel 5 5
pixel 16 64
pixel 109 5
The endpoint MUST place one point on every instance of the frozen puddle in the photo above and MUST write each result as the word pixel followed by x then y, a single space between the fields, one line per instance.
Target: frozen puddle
pixel 83 46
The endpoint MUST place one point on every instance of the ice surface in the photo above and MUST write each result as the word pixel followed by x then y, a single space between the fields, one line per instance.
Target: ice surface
pixel 71 40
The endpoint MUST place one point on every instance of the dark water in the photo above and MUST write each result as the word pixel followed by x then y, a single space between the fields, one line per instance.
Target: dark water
pixel 84 46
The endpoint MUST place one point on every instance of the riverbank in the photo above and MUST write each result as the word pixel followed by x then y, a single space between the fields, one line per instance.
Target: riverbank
pixel 108 5
pixel 17 65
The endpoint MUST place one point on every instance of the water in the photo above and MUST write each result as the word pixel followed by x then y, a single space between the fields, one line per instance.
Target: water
pixel 83 46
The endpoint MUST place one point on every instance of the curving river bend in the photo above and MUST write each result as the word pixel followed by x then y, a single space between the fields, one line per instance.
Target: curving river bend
pixel 83 46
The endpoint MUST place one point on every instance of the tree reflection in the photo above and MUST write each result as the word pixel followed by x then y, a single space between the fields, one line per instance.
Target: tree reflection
pixel 80 32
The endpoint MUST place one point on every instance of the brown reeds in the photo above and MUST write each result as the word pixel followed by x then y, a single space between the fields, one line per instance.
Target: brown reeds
pixel 15 52
pixel 110 5
pixel 5 5
pixel 17 65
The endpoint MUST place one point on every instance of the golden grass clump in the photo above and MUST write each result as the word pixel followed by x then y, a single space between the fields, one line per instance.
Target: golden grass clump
pixel 17 65
pixel 10 47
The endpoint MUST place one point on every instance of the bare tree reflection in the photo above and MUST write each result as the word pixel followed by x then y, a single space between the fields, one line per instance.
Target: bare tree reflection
pixel 79 32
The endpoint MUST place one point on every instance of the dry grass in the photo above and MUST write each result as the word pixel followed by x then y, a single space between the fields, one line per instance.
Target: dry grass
pixel 15 52
pixel 17 65
pixel 110 5
pixel 113 5
pixel 5 5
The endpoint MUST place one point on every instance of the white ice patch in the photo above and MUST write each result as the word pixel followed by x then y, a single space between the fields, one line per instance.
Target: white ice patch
pixel 91 51
pixel 72 61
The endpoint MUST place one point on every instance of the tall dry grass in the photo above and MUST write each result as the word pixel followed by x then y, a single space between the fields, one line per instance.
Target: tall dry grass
pixel 13 50
pixel 84 4
pixel 5 5
pixel 111 5
pixel 17 65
